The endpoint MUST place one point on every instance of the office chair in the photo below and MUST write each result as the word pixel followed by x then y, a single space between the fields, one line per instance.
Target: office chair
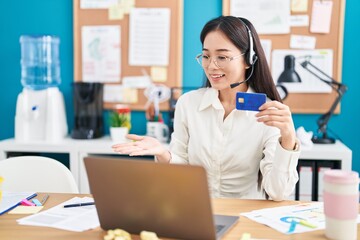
pixel 36 174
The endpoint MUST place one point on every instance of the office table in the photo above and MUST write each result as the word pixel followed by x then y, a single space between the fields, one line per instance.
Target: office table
pixel 10 229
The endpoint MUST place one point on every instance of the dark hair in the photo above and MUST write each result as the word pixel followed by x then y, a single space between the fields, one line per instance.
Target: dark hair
pixel 235 30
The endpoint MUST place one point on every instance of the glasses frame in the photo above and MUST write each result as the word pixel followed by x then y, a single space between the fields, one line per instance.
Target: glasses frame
pixel 228 59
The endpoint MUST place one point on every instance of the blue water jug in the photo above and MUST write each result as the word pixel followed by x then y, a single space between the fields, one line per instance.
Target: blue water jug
pixel 40 64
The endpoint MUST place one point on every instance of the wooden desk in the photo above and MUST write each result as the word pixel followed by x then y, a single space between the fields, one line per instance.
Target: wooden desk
pixel 10 229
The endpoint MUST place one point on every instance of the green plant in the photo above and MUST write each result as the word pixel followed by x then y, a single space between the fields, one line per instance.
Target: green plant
pixel 120 118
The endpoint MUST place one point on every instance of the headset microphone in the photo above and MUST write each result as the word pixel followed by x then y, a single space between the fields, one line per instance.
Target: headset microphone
pixel 250 57
pixel 233 85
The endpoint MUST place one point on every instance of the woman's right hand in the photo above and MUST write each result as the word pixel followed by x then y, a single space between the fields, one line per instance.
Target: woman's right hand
pixel 143 145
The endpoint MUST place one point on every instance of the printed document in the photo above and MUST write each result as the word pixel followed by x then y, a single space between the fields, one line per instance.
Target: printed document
pixel 268 16
pixel 149 40
pixel 282 218
pixel 75 219
pixel 101 53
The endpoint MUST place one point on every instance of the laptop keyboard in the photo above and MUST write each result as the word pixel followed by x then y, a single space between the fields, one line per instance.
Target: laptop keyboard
pixel 218 228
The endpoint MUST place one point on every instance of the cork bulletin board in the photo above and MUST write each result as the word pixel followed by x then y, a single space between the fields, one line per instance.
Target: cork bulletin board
pixel 312 102
pixel 100 17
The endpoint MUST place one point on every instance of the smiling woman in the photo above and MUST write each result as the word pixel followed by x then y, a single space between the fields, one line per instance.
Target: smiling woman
pixel 247 154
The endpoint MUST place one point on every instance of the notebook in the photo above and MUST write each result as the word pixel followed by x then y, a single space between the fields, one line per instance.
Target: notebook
pixel 11 200
pixel 168 199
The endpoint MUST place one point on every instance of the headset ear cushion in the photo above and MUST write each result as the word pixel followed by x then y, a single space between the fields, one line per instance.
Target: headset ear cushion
pixel 250 59
pixel 254 59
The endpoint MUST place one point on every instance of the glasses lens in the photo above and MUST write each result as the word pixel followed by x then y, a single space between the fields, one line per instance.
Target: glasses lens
pixel 222 61
pixel 203 60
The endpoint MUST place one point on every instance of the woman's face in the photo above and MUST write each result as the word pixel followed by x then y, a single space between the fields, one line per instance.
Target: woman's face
pixel 223 73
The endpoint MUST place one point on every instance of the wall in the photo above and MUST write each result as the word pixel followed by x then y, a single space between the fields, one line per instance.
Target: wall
pixel 55 17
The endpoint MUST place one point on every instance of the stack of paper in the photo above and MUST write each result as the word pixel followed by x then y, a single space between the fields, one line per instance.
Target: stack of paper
pixel 12 199
pixel 76 219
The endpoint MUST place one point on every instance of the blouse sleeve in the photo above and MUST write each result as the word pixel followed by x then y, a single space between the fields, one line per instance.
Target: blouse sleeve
pixel 278 168
pixel 180 136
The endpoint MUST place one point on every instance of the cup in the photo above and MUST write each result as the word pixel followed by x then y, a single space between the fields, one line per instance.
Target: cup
pixel 158 130
pixel 341 204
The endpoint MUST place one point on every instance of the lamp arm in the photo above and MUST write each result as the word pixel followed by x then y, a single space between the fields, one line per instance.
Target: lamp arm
pixel 340 88
pixel 331 82
pixel 324 119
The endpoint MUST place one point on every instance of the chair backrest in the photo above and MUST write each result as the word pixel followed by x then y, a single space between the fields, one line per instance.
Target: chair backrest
pixel 38 174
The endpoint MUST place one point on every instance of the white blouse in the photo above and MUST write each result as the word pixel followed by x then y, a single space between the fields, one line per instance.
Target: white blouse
pixel 232 150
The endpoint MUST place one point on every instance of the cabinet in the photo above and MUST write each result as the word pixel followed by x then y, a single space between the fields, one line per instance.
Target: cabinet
pixel 319 157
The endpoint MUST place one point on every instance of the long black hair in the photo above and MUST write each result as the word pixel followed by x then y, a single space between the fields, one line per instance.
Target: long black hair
pixel 235 30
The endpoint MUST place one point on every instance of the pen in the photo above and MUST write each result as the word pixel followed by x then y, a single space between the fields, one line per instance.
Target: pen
pixel 45 198
pixel 79 204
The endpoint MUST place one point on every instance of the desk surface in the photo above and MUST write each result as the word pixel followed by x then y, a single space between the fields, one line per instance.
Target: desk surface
pixel 9 229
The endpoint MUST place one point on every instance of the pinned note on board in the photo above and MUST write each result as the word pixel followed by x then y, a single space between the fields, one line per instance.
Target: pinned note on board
pixel 116 12
pixel 321 16
pixel 158 74
pixel 299 5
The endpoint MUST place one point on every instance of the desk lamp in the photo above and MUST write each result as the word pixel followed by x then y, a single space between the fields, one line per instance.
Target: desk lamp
pixel 340 88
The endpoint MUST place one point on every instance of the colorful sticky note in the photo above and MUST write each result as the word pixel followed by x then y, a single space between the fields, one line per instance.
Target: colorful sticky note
pixel 127 5
pixel 26 209
pixel 26 202
pixel 299 5
pixel 158 74
pixel 116 12
pixel 130 95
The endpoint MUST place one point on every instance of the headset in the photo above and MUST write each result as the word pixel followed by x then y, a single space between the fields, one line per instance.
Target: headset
pixel 250 56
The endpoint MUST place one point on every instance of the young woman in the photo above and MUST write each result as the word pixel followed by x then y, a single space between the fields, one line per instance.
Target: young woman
pixel 247 154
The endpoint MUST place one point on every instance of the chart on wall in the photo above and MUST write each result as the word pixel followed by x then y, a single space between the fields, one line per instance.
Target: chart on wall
pixel 129 46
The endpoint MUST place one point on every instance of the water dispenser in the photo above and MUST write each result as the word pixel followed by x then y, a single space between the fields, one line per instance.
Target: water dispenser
pixel 40 109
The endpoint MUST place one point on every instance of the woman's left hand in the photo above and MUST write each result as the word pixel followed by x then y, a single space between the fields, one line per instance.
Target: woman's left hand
pixel 277 114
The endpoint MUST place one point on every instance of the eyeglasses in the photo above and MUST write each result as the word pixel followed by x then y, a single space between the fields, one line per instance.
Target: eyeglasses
pixel 220 61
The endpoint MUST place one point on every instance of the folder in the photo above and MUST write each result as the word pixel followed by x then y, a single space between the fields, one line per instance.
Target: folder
pixel 12 199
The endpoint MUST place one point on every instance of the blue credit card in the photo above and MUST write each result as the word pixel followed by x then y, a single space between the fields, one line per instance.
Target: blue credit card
pixel 249 101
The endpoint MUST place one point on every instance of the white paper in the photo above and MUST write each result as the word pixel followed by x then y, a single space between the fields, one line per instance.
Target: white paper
pixel 299 20
pixel 311 212
pixel 136 81
pixel 266 45
pixel 302 42
pixel 11 199
pixel 149 40
pixel 76 219
pixel 268 16
pixel 321 58
pixel 101 53
pixel 321 16
pixel 119 93
pixel 99 4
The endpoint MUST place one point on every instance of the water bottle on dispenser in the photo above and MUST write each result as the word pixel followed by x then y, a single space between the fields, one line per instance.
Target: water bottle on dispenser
pixel 40 109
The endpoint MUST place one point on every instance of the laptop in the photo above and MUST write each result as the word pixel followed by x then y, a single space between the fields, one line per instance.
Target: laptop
pixel 169 199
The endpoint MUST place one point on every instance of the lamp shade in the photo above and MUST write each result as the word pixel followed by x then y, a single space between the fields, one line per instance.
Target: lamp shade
pixel 289 75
